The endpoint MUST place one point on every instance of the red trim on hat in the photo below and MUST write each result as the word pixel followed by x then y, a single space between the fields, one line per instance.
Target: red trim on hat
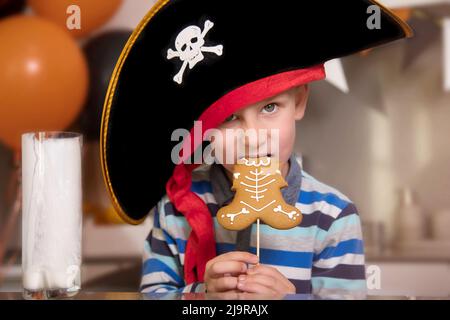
pixel 201 245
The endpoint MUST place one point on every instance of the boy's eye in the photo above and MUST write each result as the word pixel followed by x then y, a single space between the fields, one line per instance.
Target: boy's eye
pixel 269 108
pixel 231 118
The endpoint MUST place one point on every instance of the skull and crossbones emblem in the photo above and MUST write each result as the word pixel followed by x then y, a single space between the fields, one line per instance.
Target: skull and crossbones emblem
pixel 190 45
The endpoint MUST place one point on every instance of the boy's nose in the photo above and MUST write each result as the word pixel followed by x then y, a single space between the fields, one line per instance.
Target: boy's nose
pixel 251 123
pixel 255 136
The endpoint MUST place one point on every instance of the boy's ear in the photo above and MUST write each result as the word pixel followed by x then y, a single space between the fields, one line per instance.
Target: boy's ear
pixel 301 98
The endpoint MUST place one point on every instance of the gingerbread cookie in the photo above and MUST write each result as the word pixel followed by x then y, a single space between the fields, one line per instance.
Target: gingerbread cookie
pixel 257 183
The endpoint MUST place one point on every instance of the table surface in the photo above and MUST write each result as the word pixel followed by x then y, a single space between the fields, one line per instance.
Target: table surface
pixel 83 295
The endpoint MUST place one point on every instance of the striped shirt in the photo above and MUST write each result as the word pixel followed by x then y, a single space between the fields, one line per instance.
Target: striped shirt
pixel 324 255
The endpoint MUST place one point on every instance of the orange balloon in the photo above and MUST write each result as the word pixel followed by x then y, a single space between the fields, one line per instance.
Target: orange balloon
pixel 43 78
pixel 93 13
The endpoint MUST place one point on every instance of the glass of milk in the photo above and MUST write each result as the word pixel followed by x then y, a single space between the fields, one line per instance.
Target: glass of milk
pixel 51 214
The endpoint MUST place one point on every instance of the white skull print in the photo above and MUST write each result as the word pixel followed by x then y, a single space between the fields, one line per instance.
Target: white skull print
pixel 190 45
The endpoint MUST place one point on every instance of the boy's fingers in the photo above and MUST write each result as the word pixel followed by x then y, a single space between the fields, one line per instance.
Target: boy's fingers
pixel 233 274
pixel 268 271
pixel 258 278
pixel 221 268
pixel 254 287
pixel 225 284
pixel 242 256
pixel 263 280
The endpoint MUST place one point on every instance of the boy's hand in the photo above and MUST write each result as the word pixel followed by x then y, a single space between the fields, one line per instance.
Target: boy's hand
pixel 221 272
pixel 265 280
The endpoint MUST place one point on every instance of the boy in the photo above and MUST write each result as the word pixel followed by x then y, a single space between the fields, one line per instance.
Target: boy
pixel 323 254
pixel 248 73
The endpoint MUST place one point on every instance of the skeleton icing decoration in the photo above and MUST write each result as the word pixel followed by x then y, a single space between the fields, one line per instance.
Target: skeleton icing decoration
pixel 190 45
pixel 257 183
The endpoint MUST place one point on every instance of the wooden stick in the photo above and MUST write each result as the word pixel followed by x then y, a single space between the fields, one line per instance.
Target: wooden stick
pixel 257 239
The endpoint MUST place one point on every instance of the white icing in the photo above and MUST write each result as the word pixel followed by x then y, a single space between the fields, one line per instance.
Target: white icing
pixel 232 216
pixel 257 209
pixel 257 162
pixel 290 214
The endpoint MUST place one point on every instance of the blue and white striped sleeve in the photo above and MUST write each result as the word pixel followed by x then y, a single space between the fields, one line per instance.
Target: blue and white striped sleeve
pixel 339 264
pixel 162 270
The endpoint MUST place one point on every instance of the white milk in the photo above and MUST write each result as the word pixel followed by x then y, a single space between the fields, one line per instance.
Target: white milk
pixel 51 211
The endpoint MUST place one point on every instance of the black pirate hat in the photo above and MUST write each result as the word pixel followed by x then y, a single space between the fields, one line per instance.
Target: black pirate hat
pixel 205 59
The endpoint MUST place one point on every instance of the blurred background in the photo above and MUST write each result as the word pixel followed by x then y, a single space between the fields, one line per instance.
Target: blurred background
pixel 377 130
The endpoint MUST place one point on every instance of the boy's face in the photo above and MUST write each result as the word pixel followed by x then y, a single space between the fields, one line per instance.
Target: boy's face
pixel 280 113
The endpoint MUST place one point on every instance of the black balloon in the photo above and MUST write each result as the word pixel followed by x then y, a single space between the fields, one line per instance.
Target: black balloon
pixel 8 7
pixel 102 53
